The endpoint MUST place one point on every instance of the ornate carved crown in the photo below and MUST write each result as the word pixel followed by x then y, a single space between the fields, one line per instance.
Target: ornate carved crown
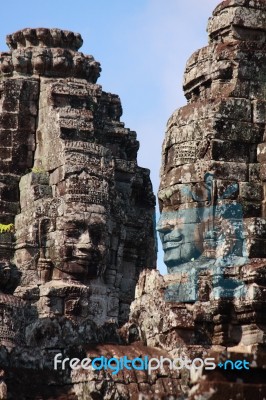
pixel 44 37
pixel 185 153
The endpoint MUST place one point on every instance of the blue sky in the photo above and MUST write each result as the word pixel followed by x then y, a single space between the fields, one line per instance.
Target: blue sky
pixel 142 45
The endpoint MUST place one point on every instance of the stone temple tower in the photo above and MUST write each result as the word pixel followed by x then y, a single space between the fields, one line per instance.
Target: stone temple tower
pixel 76 214
pixel 212 202
pixel 212 180
pixel 76 211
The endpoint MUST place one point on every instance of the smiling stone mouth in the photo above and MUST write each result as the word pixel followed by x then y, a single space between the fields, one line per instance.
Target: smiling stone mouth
pixel 82 260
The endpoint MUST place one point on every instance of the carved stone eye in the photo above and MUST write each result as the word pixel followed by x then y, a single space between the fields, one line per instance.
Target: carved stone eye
pixel 74 229
pixel 73 233
pixel 96 233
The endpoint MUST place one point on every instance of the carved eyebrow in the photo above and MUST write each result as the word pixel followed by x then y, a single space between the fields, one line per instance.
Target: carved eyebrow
pixel 97 222
pixel 76 224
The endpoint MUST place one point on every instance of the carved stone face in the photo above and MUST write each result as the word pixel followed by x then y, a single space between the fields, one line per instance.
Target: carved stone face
pixel 60 60
pixel 181 233
pixel 183 222
pixel 21 60
pixel 40 60
pixel 203 226
pixel 79 251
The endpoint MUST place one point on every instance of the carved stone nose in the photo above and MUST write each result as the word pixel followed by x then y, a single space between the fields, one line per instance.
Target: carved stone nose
pixel 84 241
pixel 164 225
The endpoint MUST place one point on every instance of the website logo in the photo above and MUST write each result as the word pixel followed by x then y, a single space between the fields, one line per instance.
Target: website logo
pixel 115 365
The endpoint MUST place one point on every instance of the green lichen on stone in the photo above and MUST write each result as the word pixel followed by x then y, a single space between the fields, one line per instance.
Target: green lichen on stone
pixel 37 170
pixel 6 228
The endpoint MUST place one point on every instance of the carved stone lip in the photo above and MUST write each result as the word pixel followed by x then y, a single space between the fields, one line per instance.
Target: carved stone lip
pixel 172 244
pixel 82 259
pixel 82 262
pixel 85 260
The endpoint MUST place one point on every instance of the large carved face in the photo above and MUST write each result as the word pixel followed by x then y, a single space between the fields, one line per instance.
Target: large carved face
pixel 79 247
pixel 198 223
pixel 181 234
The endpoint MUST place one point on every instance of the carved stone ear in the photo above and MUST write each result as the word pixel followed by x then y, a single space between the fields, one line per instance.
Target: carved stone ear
pixel 44 269
pixel 44 228
pixel 44 265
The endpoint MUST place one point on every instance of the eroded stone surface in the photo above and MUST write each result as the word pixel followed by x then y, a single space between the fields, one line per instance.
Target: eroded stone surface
pixel 77 219
pixel 83 221
pixel 212 223
pixel 84 213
